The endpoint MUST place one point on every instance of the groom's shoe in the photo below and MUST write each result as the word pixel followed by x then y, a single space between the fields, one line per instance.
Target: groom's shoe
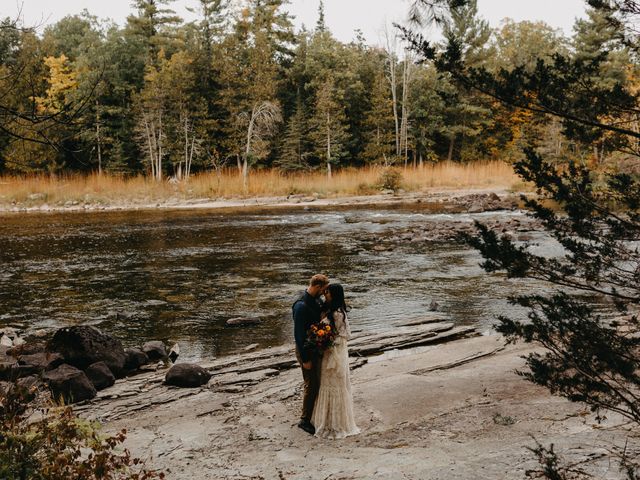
pixel 307 427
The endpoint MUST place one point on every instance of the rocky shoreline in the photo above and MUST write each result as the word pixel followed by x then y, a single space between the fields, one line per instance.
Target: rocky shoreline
pixel 467 200
pixel 449 409
pixel 433 401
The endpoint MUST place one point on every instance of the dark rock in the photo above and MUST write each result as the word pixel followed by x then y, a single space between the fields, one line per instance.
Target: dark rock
pixel 155 350
pixel 29 348
pixel 135 358
pixel 174 353
pixel 6 368
pixel 84 345
pixel 20 371
pixel 42 361
pixel 69 384
pixel 100 375
pixel 243 321
pixel 434 306
pixel 187 375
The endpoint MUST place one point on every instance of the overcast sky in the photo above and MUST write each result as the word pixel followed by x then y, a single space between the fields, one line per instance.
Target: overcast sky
pixel 342 16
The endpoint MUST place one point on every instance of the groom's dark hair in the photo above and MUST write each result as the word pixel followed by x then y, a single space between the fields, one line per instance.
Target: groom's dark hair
pixel 319 280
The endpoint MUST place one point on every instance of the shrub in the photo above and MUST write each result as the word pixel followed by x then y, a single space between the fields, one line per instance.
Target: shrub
pixel 391 179
pixel 59 445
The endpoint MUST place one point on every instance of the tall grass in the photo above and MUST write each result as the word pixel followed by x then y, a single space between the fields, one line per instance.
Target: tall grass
pixel 113 190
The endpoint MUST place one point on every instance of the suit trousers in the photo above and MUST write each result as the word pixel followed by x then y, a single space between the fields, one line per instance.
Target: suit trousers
pixel 311 379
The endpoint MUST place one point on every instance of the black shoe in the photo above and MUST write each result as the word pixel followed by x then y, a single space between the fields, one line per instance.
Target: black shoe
pixel 307 427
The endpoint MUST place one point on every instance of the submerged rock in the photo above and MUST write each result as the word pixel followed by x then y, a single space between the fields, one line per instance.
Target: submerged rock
pixel 187 375
pixel 84 345
pixel 243 321
pixel 69 384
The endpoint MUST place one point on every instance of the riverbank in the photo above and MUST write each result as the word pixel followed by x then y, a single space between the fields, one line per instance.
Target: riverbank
pixel 455 410
pixel 454 200
pixel 266 188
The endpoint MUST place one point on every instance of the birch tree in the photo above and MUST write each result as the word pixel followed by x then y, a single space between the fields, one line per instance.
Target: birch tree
pixel 152 106
pixel 407 77
pixel 391 47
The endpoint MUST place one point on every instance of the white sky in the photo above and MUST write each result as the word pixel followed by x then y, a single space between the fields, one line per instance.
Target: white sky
pixel 342 16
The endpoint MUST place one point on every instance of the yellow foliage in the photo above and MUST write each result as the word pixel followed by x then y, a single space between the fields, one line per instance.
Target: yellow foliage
pixel 62 81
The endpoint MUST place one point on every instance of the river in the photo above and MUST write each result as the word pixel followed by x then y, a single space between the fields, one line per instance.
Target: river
pixel 179 275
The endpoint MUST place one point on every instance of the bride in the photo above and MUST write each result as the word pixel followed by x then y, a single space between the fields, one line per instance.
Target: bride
pixel 333 411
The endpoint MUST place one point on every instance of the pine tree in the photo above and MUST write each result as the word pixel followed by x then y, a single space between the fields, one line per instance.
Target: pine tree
pixel 153 23
pixel 328 130
pixel 379 125
pixel 295 150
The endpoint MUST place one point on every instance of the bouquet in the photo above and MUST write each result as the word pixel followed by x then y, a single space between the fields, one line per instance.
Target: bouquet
pixel 321 336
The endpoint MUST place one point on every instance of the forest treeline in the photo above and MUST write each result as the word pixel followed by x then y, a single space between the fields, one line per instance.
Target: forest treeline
pixel 239 86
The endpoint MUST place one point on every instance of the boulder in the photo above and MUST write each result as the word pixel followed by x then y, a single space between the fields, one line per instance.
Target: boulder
pixel 69 384
pixel 100 375
pixel 155 350
pixel 28 348
pixel 84 345
pixel 187 375
pixel 174 353
pixel 43 361
pixel 243 321
pixel 135 358
pixel 21 371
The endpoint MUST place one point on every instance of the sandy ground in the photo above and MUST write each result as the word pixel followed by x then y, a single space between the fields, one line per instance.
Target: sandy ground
pixel 421 418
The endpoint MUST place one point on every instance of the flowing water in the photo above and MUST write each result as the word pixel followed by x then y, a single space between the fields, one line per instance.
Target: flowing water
pixel 179 275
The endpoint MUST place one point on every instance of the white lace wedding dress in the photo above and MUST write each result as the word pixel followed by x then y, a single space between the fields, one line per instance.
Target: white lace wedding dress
pixel 333 412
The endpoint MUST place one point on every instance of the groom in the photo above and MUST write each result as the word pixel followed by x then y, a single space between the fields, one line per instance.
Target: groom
pixel 306 312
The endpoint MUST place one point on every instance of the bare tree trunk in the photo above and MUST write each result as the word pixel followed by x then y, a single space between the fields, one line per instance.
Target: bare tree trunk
pixel 150 145
pixel 393 81
pixel 451 142
pixel 160 151
pixel 404 130
pixel 328 146
pixel 98 138
pixel 193 146
pixel 247 152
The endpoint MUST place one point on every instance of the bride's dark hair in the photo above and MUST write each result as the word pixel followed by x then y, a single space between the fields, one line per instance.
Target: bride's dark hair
pixel 337 298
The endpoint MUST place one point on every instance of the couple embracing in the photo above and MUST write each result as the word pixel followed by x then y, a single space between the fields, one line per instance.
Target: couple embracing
pixel 321 330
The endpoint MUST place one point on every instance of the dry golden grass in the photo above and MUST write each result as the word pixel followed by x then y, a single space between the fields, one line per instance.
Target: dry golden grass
pixel 110 190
